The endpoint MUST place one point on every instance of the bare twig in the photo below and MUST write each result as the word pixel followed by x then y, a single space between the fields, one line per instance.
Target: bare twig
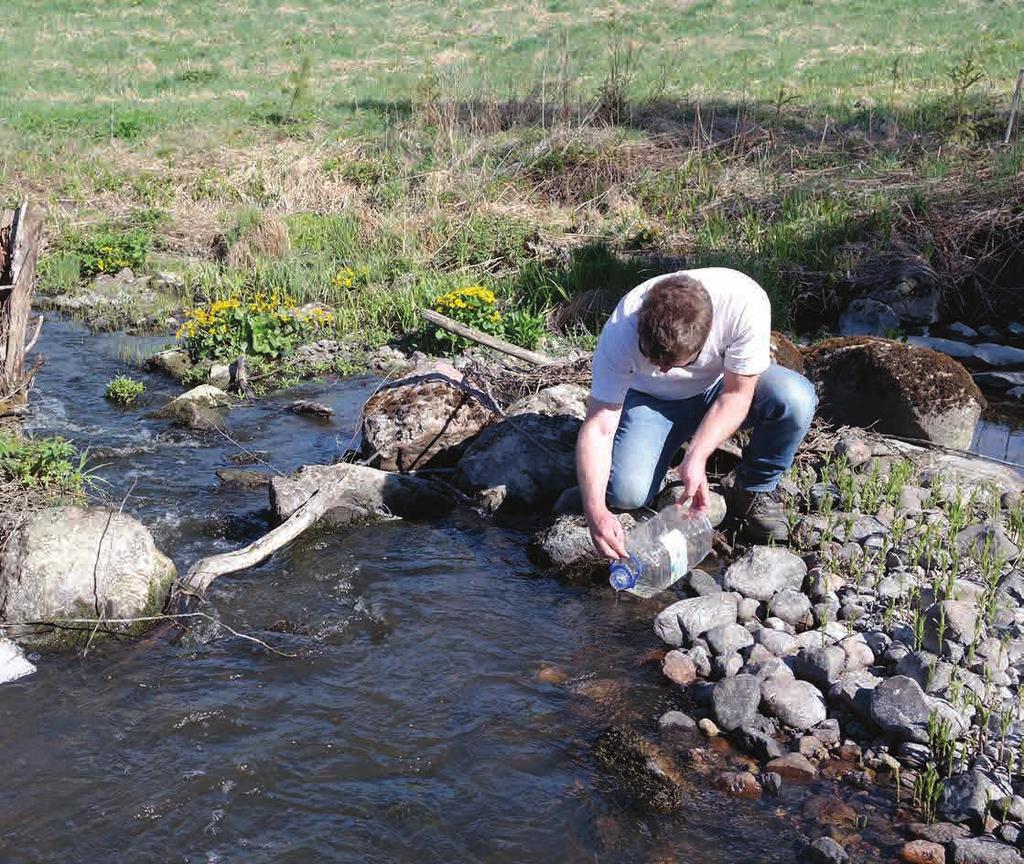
pixel 67 623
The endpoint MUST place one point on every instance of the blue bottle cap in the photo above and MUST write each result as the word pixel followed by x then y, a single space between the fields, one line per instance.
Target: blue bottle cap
pixel 624 576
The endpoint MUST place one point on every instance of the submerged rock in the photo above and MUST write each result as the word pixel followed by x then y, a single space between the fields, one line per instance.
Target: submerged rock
pixel 922 852
pixel 915 392
pixel 80 562
pixel 735 700
pixel 824 850
pixel 243 478
pixel 640 768
pixel 566 546
pixel 311 409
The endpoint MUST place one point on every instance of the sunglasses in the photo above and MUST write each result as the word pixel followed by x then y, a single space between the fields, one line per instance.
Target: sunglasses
pixel 658 361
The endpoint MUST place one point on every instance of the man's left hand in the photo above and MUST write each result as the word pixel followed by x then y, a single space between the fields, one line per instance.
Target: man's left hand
pixel 693 474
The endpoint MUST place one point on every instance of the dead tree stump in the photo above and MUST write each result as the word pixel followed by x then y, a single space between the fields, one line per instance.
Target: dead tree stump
pixel 20 233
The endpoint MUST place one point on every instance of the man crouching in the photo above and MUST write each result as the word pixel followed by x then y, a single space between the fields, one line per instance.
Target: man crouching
pixel 686 357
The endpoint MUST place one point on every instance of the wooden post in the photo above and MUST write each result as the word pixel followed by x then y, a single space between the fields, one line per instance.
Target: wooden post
pixel 1014 105
pixel 20 233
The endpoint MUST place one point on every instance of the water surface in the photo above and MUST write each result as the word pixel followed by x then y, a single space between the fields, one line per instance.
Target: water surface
pixel 412 726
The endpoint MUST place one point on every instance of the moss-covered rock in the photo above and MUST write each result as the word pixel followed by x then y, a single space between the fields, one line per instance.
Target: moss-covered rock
pixel 895 388
pixel 79 562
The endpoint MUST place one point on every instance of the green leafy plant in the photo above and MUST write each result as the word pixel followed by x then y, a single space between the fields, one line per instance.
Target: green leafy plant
pixel 42 463
pixel 927 791
pixel 109 251
pixel 123 390
pixel 524 329
pixel 474 306
pixel 260 325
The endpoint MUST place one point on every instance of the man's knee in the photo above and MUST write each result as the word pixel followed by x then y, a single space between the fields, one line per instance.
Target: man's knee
pixel 789 397
pixel 628 493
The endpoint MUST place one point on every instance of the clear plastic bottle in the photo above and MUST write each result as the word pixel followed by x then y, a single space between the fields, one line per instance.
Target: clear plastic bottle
pixel 662 550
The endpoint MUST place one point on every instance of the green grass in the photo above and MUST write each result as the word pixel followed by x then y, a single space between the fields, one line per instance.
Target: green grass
pixel 128 71
pixel 536 152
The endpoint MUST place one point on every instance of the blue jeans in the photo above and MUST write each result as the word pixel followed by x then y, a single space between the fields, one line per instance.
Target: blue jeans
pixel 651 431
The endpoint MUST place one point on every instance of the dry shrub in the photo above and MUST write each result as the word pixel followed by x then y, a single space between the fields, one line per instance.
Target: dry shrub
pixel 588 309
pixel 266 236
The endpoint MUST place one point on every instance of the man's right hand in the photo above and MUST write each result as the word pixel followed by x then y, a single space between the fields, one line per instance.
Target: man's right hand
pixel 607 534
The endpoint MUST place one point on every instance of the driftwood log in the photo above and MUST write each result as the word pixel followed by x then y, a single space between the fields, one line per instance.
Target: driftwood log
pixel 20 233
pixel 304 499
pixel 471 333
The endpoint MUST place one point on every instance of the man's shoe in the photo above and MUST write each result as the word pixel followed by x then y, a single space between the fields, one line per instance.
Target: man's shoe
pixel 762 515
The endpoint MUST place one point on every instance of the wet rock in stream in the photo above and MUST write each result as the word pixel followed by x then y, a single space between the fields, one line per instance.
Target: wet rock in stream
pixel 640 769
pixel 363 493
pixel 79 562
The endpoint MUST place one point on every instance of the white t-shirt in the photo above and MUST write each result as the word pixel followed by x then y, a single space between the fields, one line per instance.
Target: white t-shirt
pixel 739 341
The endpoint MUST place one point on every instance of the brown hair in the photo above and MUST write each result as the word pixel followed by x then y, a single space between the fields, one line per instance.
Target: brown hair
pixel 674 319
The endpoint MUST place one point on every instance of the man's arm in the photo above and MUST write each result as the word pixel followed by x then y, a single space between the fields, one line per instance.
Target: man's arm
pixel 593 468
pixel 725 416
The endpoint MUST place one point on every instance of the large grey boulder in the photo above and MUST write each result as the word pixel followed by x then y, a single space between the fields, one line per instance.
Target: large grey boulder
pixel 80 562
pixel 682 622
pixel 173 362
pixel 205 395
pixel 966 797
pixel 423 420
pixel 982 850
pixel 528 459
pixel 735 700
pixel 365 493
pixel 797 704
pixel 13 663
pixel 728 637
pixel 867 317
pixel 765 571
pixel 901 709
pixel 978 541
pixel 792 606
pixel 822 665
pixel 956 621
pixel 854 691
pixel 895 388
pixel 197 408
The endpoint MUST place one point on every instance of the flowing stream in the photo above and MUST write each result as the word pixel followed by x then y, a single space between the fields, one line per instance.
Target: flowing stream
pixel 413 726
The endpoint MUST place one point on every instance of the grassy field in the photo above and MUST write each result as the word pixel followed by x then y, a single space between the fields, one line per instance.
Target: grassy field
pixel 537 148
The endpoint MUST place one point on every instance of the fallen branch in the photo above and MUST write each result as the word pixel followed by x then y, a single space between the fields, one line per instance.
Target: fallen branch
pixel 474 335
pixel 72 624
pixel 364 490
pixel 189 590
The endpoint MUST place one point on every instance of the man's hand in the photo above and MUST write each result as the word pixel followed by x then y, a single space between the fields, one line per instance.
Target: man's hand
pixel 693 474
pixel 607 534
